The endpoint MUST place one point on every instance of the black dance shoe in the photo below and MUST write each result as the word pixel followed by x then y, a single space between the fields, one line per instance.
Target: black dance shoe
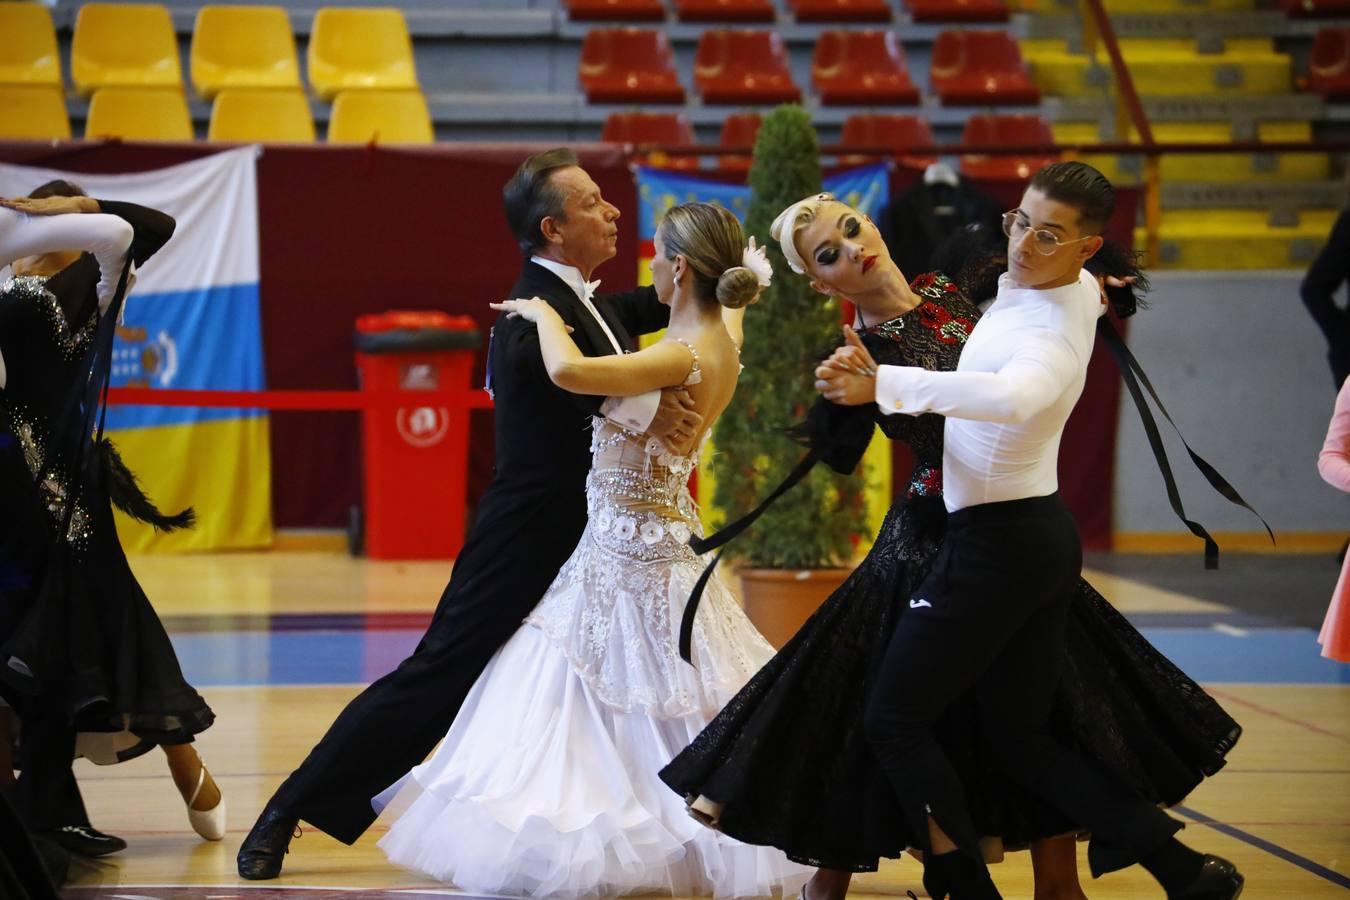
pixel 262 852
pixel 1218 880
pixel 959 877
pixel 85 840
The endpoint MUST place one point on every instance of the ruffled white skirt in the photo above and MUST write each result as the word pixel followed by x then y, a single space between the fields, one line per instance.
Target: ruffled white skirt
pixel 546 784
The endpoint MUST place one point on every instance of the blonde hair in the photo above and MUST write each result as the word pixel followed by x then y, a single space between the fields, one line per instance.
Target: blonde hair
pixel 710 238
pixel 792 222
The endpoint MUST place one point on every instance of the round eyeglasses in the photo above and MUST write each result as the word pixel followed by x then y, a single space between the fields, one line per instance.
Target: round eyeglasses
pixel 1046 242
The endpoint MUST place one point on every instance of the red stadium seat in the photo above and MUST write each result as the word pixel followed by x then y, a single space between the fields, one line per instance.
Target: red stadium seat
pixel 958 10
pixel 725 10
pixel 1316 9
pixel 1329 64
pixel 899 133
pixel 628 65
pixel 861 67
pixel 841 10
pixel 616 10
pixel 1006 131
pixel 743 67
pixel 739 130
pixel 652 128
pixel 980 68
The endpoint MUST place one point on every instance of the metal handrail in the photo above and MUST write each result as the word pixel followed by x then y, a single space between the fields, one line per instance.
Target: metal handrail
pixel 1115 147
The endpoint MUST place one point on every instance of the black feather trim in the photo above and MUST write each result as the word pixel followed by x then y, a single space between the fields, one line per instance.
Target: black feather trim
pixel 126 494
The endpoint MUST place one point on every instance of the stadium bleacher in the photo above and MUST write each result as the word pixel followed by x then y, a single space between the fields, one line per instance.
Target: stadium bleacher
pixel 1211 72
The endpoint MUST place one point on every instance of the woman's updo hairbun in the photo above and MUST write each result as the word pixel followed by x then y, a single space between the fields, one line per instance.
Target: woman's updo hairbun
pixel 736 287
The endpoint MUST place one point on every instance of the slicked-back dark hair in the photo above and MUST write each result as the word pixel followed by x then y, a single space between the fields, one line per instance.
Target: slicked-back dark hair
pixel 530 196
pixel 57 188
pixel 1079 185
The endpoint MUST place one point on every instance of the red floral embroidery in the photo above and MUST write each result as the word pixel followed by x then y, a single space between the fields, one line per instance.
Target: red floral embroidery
pixel 948 328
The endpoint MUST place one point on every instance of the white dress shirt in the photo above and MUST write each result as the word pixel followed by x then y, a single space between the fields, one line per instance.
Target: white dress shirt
pixel 1020 374
pixel 634 413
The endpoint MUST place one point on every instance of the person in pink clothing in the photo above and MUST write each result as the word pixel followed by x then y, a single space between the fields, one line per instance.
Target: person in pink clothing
pixel 1334 465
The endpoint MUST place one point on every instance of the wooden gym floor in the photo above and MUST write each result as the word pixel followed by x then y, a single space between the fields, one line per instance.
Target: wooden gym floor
pixel 279 642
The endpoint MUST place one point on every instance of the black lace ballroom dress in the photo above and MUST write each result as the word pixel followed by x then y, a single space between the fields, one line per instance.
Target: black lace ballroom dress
pixel 77 633
pixel 787 760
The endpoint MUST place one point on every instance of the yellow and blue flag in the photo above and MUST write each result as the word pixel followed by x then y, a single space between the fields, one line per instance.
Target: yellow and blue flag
pixel 192 320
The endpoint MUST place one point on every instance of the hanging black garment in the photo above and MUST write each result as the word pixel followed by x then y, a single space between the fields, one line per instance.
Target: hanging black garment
pixel 918 221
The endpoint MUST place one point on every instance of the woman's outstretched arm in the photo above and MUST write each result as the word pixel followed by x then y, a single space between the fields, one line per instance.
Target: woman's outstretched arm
pixel 664 364
pixel 105 236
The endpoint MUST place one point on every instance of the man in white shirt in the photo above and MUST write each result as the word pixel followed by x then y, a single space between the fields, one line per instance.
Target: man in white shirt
pixel 990 616
pixel 529 519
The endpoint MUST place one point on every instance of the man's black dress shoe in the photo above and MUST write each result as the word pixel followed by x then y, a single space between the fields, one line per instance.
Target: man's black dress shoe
pixel 85 840
pixel 262 852
pixel 1218 880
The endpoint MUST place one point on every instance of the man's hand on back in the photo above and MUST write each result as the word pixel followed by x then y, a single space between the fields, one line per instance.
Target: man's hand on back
pixel 676 421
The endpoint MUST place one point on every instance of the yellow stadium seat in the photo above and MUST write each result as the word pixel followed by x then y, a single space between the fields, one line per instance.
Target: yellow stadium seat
pixel 242 47
pixel 360 48
pixel 244 115
pixel 1237 239
pixel 124 45
pixel 1165 66
pixel 386 117
pixel 28 50
pixel 139 114
pixel 1131 7
pixel 32 112
pixel 1219 167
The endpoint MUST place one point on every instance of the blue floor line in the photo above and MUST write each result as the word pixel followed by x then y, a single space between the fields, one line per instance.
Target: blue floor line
pixel 1273 849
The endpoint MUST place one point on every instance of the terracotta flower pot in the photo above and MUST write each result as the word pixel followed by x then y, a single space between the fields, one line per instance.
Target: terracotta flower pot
pixel 778 601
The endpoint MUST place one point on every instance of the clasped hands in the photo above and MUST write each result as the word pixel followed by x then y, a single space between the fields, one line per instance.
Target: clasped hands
pixel 849 376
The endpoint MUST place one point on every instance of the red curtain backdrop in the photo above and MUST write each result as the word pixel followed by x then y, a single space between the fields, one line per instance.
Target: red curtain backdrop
pixel 351 230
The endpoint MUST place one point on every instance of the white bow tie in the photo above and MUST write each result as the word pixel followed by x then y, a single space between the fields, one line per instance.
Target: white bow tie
pixel 588 289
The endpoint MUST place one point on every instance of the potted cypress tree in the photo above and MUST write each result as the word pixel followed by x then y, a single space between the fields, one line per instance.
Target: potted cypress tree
pixel 797 553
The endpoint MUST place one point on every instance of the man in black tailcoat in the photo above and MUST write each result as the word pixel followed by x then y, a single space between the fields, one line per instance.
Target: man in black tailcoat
pixel 529 519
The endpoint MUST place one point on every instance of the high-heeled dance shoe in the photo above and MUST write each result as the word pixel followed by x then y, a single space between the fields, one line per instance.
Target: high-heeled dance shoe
pixel 706 812
pixel 1218 880
pixel 209 823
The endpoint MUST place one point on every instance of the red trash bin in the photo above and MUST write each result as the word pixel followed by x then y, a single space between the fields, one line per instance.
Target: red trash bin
pixel 416 457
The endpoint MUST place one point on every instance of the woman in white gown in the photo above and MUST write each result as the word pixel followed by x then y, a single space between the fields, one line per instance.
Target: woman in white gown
pixel 546 784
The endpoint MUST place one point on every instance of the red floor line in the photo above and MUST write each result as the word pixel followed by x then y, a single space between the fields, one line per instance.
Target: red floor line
pixel 1278 715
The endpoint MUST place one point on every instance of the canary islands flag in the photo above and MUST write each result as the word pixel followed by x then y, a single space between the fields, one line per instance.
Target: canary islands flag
pixel 191 321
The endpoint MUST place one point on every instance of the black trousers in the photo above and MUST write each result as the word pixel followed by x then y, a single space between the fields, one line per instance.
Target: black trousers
pixel 990 618
pixel 46 795
pixel 512 555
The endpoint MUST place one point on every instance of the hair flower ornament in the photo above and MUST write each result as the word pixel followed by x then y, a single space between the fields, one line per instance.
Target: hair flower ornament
pixel 756 261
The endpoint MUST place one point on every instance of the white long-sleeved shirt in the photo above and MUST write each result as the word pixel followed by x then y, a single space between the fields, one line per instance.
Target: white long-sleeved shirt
pixel 1020 374
pixel 634 413
pixel 107 237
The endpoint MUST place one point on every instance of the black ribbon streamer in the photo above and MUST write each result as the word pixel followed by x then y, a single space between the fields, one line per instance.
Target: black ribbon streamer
pixel 835 435
pixel 1133 375
pixel 82 428
pixel 703 545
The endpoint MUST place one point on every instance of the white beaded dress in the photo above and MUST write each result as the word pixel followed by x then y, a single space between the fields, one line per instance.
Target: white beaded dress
pixel 546 784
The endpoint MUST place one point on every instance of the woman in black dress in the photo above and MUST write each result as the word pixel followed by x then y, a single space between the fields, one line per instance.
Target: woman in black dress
pixel 87 664
pixel 787 764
